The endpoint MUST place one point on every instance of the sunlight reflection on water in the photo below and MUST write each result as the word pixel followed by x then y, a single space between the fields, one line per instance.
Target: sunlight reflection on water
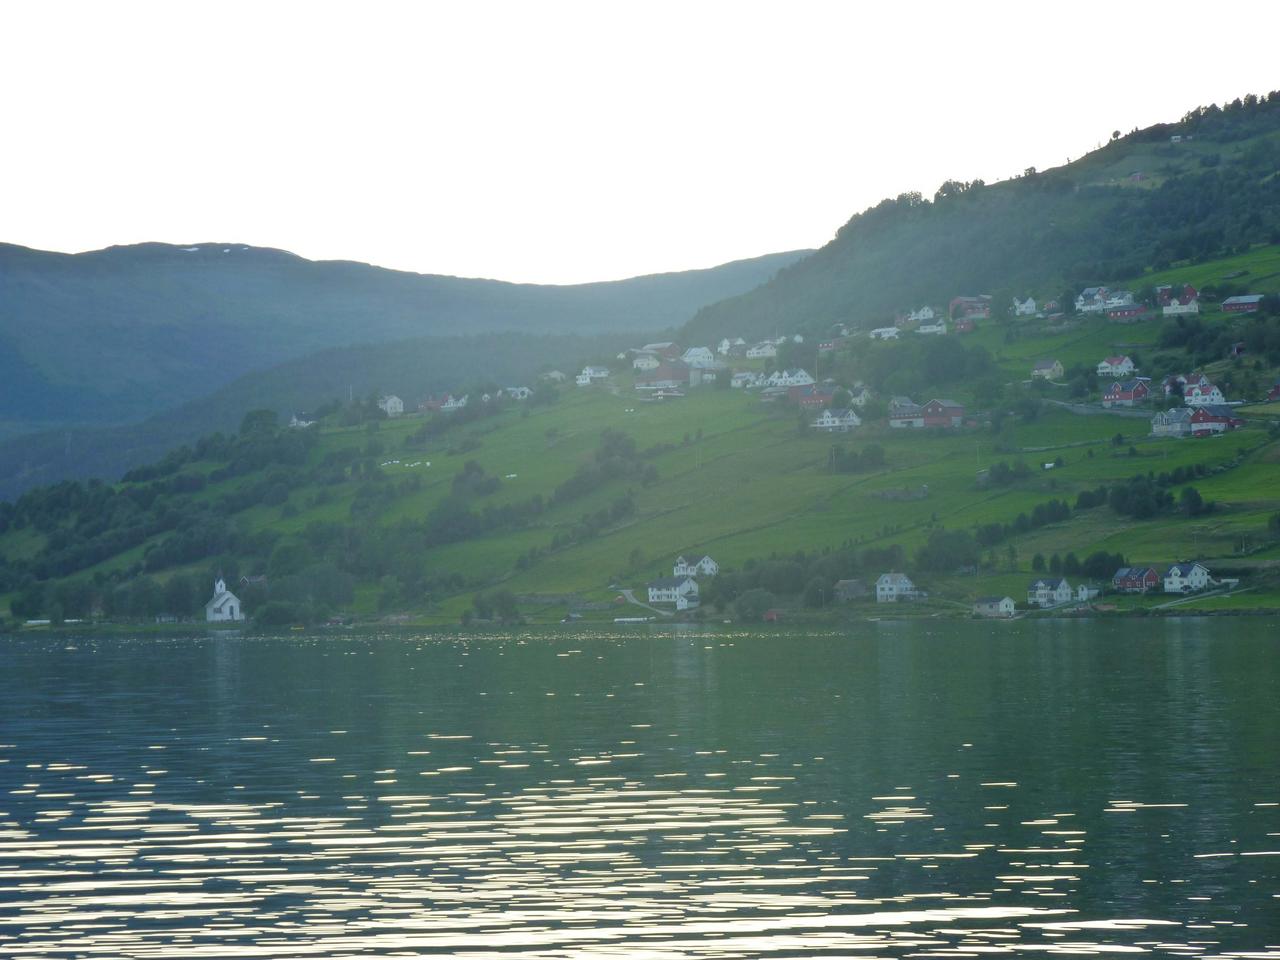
pixel 696 795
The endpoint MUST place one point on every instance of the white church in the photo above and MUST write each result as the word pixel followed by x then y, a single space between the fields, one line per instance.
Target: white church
pixel 225 605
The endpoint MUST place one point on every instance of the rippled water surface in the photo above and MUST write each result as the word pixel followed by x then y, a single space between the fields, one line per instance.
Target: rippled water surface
pixel 893 790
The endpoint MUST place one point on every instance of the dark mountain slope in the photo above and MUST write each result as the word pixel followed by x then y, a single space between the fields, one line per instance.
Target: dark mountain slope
pixel 122 333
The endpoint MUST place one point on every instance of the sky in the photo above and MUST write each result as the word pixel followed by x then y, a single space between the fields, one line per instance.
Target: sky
pixel 563 142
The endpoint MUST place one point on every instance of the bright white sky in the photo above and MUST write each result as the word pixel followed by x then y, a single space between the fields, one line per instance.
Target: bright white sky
pixel 561 142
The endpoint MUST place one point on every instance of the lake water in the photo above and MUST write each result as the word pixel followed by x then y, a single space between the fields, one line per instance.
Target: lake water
pixel 895 789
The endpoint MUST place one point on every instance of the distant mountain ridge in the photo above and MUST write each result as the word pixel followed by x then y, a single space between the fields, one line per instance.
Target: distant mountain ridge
pixel 119 334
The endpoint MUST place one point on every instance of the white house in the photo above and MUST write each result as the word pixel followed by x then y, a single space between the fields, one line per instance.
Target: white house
pixel 765 348
pixel 727 346
pixel 453 403
pixel 1092 300
pixel 699 357
pixel 789 378
pixel 923 315
pixel 837 421
pixel 224 606
pixel 1119 298
pixel 859 395
pixel 939 327
pixel 392 405
pixel 892 587
pixel 1047 370
pixel 555 376
pixel 744 378
pixel 518 393
pixel 1086 592
pixel 884 333
pixel 706 567
pixel 682 591
pixel 296 424
pixel 1202 394
pixel 644 360
pixel 1116 367
pixel 1186 578
pixel 1024 308
pixel 1048 592
pixel 994 607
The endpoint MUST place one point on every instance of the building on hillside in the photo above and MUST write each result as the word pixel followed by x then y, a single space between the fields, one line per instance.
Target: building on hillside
pixel 846 591
pixel 964 325
pixel 1128 312
pixel 892 587
pixel 923 315
pixel 811 396
pixel 518 393
pixel 1086 592
pixel 1120 298
pixel 682 591
pixel 1092 300
pixel 451 403
pixel 859 395
pixel 1024 308
pixel 762 350
pixel 690 567
pixel 1126 393
pixel 663 348
pixel 1174 422
pixel 905 414
pixel 975 308
pixel 1047 370
pixel 789 378
pixel 994 607
pixel 224 606
pixel 837 421
pixel 1116 367
pixel 296 423
pixel 745 378
pixel 699 357
pixel 1274 392
pixel 1186 578
pixel 391 405
pixel 554 376
pixel 1201 394
pixel 1212 418
pixel 1246 303
pixel 935 328
pixel 1048 592
pixel 645 360
pixel 943 413
pixel 1173 302
pixel 671 375
pixel 1135 579
pixel 884 333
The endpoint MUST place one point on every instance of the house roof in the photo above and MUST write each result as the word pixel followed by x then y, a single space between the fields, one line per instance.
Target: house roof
pixel 1115 361
pixel 1050 582
pixel 984 601
pixel 666 583
pixel 1045 364
pixel 1184 569
pixel 1245 298
pixel 897 579
pixel 1125 573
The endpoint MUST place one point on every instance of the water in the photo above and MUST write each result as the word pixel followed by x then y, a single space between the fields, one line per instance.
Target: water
pixel 894 790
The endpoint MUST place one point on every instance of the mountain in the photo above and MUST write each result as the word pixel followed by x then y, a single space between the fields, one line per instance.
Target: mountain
pixel 1204 187
pixel 119 334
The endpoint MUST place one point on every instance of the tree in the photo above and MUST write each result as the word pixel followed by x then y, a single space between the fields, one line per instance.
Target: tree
pixel 258 423
pixel 752 604
pixel 1037 563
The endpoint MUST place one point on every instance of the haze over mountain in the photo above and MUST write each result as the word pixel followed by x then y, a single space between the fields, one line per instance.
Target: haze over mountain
pixel 118 334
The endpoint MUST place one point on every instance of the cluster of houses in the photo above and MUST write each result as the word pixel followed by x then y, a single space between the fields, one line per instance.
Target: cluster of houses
pixel 1048 593
pixel 906 414
pixel 1172 301
pixel 681 588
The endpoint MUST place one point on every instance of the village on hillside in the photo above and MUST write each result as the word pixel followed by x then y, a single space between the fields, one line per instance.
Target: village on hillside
pixel 1179 405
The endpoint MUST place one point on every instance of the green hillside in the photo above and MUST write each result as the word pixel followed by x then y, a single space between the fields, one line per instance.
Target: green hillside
pixel 1140 203
pixel 558 503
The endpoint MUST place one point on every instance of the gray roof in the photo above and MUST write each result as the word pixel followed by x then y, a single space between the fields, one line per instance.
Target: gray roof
pixel 666 583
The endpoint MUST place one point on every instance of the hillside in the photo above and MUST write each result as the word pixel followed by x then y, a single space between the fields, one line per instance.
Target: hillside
pixel 413 369
pixel 1141 202
pixel 550 506
pixel 119 334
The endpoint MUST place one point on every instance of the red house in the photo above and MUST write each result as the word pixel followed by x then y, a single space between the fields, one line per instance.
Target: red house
pixel 1274 392
pixel 979 306
pixel 1135 579
pixel 1127 311
pixel 1212 419
pixel 1125 393
pixel 943 413
pixel 1245 304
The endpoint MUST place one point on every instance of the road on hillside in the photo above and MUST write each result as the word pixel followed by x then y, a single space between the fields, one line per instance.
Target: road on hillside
pixel 631 598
